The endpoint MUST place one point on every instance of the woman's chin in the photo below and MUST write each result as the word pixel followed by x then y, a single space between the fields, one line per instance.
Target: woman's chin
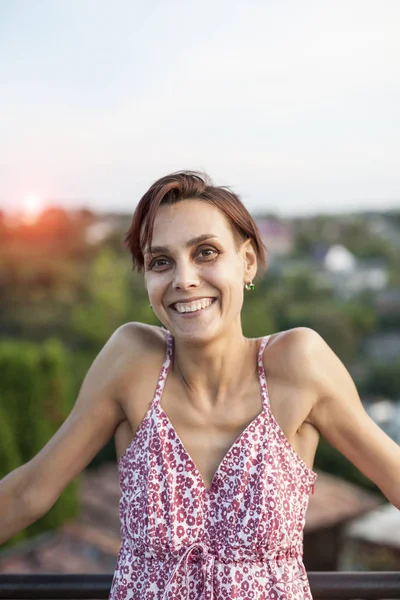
pixel 194 333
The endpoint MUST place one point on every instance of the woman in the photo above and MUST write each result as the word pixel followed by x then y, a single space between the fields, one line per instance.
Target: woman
pixel 215 433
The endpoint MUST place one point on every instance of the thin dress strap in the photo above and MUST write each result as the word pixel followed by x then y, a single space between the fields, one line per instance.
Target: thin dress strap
pixel 165 366
pixel 261 371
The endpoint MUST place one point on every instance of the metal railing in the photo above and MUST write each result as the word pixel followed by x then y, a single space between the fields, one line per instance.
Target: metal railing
pixel 335 585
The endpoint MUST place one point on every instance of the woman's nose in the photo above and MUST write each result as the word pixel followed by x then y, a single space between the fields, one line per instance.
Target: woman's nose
pixel 185 276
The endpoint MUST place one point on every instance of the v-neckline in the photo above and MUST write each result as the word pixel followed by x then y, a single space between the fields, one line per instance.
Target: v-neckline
pixel 253 422
pixel 237 441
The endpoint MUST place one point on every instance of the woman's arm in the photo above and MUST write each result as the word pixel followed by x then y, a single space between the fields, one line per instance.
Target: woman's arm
pixel 339 416
pixel 30 491
pixel 15 512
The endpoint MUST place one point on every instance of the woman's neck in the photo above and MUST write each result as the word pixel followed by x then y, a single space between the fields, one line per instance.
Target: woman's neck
pixel 210 372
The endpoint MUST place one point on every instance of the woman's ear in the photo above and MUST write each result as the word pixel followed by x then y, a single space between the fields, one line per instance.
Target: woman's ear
pixel 250 261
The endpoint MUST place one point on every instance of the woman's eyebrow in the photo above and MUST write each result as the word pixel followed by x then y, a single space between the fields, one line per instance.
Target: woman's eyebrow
pixel 189 243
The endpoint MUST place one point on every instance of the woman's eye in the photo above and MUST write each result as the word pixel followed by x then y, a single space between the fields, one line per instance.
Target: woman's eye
pixel 207 252
pixel 158 263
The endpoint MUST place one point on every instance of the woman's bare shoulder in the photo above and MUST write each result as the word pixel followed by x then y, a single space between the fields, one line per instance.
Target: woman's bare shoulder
pixel 138 340
pixel 292 352
pixel 292 342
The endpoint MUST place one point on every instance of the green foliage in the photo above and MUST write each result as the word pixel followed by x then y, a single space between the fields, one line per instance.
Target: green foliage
pixel 361 314
pixel 333 325
pixel 36 399
pixel 384 379
pixel 257 319
pixel 113 295
pixel 358 238
pixel 139 307
pixel 95 318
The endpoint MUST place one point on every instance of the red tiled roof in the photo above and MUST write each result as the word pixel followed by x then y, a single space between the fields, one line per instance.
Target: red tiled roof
pixel 337 501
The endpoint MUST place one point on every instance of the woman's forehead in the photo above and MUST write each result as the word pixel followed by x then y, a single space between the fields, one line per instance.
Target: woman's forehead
pixel 186 220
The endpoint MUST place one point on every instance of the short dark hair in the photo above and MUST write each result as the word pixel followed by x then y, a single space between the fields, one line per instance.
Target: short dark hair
pixel 189 185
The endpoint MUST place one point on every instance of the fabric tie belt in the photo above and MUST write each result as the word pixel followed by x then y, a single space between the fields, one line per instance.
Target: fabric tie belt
pixel 208 570
pixel 207 558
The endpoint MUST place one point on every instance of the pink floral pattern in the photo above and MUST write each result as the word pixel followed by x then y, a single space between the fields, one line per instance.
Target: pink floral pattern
pixel 240 538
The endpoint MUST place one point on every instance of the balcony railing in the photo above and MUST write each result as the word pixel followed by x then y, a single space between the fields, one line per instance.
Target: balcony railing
pixel 360 585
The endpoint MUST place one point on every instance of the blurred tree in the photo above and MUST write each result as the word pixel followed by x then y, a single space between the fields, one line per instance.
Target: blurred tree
pixel 106 305
pixel 36 399
pixel 384 380
pixel 336 328
pixel 257 318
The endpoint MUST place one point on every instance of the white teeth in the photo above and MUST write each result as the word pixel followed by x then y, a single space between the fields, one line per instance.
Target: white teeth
pixel 183 307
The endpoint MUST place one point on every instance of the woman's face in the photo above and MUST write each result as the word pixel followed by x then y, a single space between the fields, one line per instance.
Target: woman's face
pixel 195 273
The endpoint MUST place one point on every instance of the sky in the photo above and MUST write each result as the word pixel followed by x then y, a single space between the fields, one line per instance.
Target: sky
pixel 294 105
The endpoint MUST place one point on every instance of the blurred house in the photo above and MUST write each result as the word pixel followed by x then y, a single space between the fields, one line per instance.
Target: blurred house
pixel 373 541
pixel 277 236
pixel 91 543
pixel 383 226
pixel 334 504
pixel 349 276
pixel 387 301
pixel 339 260
pixel 383 346
pixel 101 229
pixel 386 413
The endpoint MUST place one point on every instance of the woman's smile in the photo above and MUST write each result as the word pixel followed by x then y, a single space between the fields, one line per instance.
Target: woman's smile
pixel 193 308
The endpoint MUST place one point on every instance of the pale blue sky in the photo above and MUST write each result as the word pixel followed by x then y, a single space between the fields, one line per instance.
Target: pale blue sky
pixel 295 105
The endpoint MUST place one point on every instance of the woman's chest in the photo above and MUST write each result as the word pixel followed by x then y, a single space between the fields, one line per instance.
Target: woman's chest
pixel 207 431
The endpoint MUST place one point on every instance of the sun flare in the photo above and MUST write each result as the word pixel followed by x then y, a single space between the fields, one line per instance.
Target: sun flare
pixel 32 206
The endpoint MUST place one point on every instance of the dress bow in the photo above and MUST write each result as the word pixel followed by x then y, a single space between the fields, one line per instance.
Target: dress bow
pixel 208 569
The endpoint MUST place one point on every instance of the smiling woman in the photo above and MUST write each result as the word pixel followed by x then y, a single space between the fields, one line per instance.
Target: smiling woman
pixel 216 433
pixel 165 242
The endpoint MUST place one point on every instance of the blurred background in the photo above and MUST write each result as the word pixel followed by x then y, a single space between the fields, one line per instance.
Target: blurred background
pixel 295 106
